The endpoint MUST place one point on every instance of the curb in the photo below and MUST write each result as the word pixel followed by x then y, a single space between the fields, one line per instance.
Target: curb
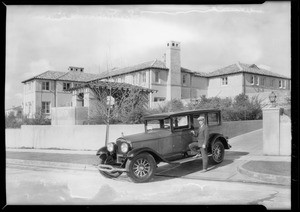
pixel 49 164
pixel 268 178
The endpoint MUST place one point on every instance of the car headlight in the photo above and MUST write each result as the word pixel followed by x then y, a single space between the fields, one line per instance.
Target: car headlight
pixel 110 147
pixel 124 147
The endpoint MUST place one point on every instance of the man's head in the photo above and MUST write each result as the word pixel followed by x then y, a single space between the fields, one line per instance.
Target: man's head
pixel 201 119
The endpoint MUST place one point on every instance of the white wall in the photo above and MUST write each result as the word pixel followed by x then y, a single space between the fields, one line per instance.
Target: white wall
pixel 234 87
pixel 75 137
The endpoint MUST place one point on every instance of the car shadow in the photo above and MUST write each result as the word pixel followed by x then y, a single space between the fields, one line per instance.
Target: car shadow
pixel 169 171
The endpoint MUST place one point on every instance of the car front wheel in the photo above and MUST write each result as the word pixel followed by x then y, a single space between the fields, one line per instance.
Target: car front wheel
pixel 141 168
pixel 218 152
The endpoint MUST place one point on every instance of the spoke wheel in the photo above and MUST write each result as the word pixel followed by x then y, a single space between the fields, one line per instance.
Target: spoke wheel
pixel 218 151
pixel 141 168
pixel 108 160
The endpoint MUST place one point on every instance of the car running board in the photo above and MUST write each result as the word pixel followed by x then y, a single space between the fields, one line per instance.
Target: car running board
pixel 184 160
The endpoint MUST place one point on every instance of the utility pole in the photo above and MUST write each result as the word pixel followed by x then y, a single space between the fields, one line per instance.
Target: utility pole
pixel 108 110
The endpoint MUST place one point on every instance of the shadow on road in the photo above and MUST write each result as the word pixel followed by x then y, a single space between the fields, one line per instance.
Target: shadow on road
pixel 168 171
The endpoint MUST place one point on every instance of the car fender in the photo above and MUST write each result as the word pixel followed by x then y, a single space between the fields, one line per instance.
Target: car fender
pixel 131 154
pixel 213 137
pixel 102 151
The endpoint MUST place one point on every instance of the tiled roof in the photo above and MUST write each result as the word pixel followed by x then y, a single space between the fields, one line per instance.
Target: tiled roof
pixel 79 76
pixel 51 75
pixel 66 76
pixel 242 67
pixel 146 65
pixel 156 64
pixel 255 70
pixel 200 74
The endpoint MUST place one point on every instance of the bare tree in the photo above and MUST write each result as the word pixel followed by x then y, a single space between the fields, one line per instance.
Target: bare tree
pixel 116 101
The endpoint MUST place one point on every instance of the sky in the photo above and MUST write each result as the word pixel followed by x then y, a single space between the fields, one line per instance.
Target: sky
pixel 98 38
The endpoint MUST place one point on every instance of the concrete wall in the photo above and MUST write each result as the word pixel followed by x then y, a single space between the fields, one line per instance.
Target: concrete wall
pixel 76 137
pixel 276 132
pixel 92 137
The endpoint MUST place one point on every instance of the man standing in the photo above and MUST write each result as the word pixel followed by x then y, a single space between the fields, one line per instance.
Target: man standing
pixel 202 141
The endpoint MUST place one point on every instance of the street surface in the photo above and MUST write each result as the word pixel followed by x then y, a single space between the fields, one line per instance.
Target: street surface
pixel 30 185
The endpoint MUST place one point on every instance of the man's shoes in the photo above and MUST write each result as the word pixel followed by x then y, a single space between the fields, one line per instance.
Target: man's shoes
pixel 203 170
pixel 197 156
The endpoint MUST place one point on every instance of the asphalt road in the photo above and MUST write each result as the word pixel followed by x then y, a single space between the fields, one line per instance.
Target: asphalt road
pixel 48 186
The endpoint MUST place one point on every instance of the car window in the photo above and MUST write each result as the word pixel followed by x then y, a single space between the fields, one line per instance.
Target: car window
pixel 213 119
pixel 180 122
pixel 158 124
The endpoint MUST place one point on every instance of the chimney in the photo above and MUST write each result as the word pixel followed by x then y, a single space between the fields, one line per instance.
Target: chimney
pixel 173 63
pixel 75 69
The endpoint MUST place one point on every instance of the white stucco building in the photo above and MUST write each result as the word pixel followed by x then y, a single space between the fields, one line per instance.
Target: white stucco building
pixel 168 77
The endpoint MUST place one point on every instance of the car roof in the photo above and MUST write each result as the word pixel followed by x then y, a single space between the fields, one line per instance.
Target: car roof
pixel 169 114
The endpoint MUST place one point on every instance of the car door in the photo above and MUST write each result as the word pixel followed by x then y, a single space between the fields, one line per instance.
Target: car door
pixel 181 136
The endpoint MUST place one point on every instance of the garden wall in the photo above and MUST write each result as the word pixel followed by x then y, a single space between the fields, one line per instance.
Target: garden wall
pixel 92 137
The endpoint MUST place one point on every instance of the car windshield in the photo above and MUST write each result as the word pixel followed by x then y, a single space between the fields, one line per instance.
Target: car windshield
pixel 158 124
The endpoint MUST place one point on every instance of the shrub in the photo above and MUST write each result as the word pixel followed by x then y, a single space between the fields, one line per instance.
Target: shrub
pixel 173 105
pixel 11 121
pixel 240 108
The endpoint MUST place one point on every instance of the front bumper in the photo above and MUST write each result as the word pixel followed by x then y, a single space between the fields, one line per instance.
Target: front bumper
pixel 109 168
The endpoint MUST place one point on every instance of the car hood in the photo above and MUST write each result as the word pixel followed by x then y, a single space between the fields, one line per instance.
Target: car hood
pixel 155 134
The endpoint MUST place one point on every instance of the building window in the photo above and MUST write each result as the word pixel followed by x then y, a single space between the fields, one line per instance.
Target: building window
pixel 256 80
pixel 143 77
pixel 45 86
pixel 280 83
pixel 156 77
pixel 224 81
pixel 46 107
pixel 135 79
pixel 66 85
pixel 77 84
pixel 159 99
pixel 252 80
pixel 184 76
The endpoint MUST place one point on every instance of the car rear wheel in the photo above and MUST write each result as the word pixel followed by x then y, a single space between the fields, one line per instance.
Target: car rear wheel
pixel 103 159
pixel 217 151
pixel 141 168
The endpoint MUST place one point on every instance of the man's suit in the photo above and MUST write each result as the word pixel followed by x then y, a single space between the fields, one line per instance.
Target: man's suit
pixel 202 138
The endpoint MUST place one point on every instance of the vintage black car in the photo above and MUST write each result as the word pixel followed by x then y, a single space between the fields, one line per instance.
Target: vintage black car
pixel 166 139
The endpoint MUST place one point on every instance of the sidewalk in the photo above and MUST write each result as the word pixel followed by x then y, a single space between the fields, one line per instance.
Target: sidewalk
pixel 243 162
